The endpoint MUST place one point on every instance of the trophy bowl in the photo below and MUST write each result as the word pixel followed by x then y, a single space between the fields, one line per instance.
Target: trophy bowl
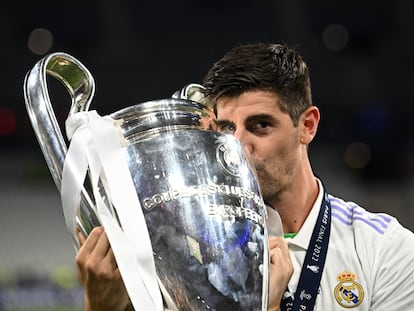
pixel 196 190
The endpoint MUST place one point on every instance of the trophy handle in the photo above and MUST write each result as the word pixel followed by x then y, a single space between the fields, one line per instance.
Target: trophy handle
pixel 81 87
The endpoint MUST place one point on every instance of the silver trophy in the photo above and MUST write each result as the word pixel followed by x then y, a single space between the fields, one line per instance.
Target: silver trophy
pixel 198 194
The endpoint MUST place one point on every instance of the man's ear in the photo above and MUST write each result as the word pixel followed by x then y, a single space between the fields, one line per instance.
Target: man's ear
pixel 308 123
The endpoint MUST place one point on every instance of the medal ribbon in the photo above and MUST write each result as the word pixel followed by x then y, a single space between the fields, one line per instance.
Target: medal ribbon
pixel 312 268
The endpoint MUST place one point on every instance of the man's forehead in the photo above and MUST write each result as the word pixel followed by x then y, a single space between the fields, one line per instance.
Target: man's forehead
pixel 231 110
pixel 258 98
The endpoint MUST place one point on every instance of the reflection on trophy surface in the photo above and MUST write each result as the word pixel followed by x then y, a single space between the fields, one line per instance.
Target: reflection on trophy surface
pixel 198 194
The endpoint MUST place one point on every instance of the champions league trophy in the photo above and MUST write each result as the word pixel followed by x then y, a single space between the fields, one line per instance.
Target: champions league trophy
pixel 179 201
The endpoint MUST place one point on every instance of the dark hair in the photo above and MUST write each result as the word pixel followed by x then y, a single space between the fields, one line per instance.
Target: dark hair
pixel 271 67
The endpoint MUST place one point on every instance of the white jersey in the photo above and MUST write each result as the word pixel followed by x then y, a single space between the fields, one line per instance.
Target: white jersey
pixel 369 264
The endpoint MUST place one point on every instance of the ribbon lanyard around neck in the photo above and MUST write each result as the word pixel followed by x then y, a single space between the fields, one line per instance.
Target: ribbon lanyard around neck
pixel 312 269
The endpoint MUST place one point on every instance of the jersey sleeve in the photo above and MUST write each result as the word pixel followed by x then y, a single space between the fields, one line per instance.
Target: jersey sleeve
pixel 393 276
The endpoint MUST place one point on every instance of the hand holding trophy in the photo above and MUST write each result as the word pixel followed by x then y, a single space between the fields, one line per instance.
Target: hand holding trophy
pixel 179 202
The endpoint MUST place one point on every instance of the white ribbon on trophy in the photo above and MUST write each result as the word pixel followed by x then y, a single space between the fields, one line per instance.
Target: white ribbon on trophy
pixel 96 147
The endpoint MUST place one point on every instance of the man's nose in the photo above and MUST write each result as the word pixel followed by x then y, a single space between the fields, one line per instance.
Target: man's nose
pixel 245 138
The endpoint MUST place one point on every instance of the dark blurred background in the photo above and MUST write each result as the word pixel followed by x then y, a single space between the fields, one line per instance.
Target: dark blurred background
pixel 360 55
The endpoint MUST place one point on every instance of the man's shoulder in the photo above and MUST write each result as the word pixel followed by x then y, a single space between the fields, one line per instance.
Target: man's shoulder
pixel 351 216
pixel 372 235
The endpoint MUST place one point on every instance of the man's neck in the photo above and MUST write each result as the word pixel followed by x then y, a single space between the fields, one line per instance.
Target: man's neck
pixel 294 206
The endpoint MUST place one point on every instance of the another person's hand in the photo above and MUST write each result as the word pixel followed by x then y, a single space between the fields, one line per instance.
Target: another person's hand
pixel 281 270
pixel 99 275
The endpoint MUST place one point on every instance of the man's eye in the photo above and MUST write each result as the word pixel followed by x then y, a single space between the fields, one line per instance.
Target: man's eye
pixel 260 125
pixel 227 128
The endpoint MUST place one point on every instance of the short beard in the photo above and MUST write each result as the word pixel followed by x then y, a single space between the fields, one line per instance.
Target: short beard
pixel 271 188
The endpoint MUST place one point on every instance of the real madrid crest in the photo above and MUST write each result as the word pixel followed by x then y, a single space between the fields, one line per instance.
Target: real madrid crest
pixel 348 293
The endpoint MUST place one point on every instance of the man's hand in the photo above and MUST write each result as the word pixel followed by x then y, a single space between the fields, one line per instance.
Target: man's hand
pixel 99 275
pixel 281 270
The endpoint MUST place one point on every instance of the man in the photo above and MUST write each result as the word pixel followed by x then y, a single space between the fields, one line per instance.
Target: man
pixel 343 256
